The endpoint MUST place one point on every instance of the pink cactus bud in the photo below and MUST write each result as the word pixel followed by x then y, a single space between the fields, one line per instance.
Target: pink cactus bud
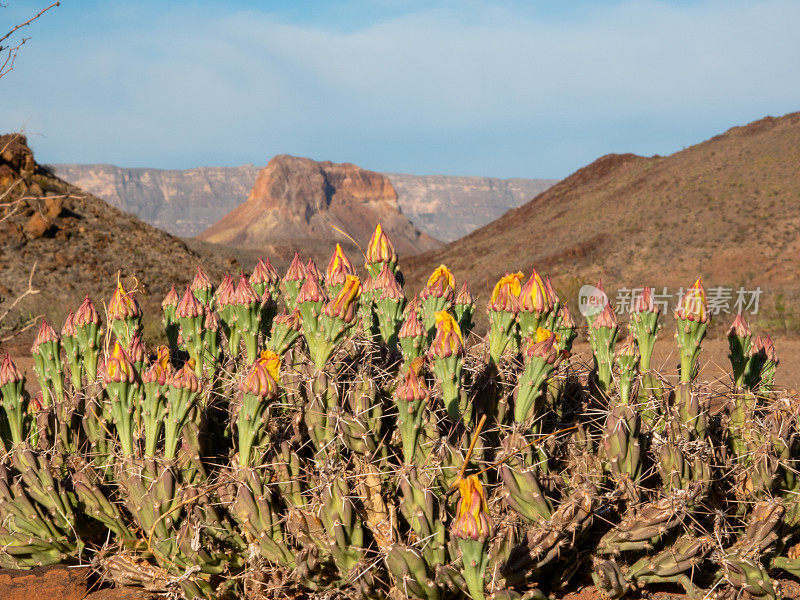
pixel 411 327
pixel 628 347
pixel 136 351
pixel 311 292
pixel 36 403
pixel 171 299
pixel 472 521
pixel 312 271
pixel 226 291
pixel 339 267
pixel 297 271
pixel 441 284
pixel 769 349
pixel 414 305
pixel 464 297
pixel 262 378
pixel 200 281
pixel 368 285
pixel 543 346
pixel 552 296
pixel 566 317
pixel 161 370
pixel 245 295
pixel 412 388
pixel 606 318
pixel 388 286
pixel 211 322
pixel 86 315
pixel 264 273
pixel 9 373
pixel 505 295
pixel 118 368
pixel 189 307
pixel 46 334
pixel 185 379
pixel 448 340
pixel 68 330
pixel 123 305
pixel 693 305
pixel 645 303
pixel 290 319
pixel 343 305
pixel 380 248
pixel 533 296
pixel 740 327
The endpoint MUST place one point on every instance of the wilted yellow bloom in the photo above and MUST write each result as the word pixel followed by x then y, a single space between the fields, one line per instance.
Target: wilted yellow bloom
pixel 448 339
pixel 505 295
pixel 472 514
pixel 380 248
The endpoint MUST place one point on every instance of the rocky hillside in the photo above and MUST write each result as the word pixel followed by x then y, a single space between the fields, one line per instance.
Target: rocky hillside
pixel 297 199
pixel 450 207
pixel 78 243
pixel 442 206
pixel 181 202
pixel 726 209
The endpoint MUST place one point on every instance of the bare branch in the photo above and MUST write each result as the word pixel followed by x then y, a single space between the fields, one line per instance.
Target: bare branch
pixel 11 51
pixel 28 22
pixel 29 292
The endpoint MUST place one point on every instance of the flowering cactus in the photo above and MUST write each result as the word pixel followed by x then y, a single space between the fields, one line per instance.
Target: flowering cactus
pixel 464 309
pixel 503 308
pixel 14 402
pixel 247 318
pixel 258 386
pixel 412 335
pixel 389 302
pixel 293 280
pixel 541 359
pixel 325 322
pixel 534 305
pixel 168 307
pixel 190 315
pixel 121 382
pixel 380 251
pixel 202 288
pixel 265 278
pixel 89 334
pixel 411 397
pixel 72 350
pixel 644 327
pixel 182 391
pixel 447 355
pixel 740 343
pixel 692 319
pixel 436 296
pixel 286 328
pixel 339 267
pixel 154 404
pixel 472 528
pixel 603 331
pixel 627 360
pixel 46 352
pixel 124 314
pixel 565 330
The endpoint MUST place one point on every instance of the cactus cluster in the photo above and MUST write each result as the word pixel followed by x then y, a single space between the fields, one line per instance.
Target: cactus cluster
pixel 322 431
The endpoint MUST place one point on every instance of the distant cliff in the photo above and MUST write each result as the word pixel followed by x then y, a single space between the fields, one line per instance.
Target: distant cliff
pixel 449 207
pixel 188 202
pixel 179 202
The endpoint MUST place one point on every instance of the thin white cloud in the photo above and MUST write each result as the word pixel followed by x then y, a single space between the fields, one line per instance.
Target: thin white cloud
pixel 435 90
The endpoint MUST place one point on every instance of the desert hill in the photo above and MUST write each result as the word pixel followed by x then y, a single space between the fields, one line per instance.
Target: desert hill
pixel 78 242
pixel 297 199
pixel 727 209
pixel 187 202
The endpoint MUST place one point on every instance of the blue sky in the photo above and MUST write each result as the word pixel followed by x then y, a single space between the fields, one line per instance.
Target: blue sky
pixel 502 88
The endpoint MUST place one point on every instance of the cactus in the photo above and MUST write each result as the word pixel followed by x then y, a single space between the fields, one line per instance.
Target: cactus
pixel 472 528
pixel 447 355
pixel 503 308
pixel 437 296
